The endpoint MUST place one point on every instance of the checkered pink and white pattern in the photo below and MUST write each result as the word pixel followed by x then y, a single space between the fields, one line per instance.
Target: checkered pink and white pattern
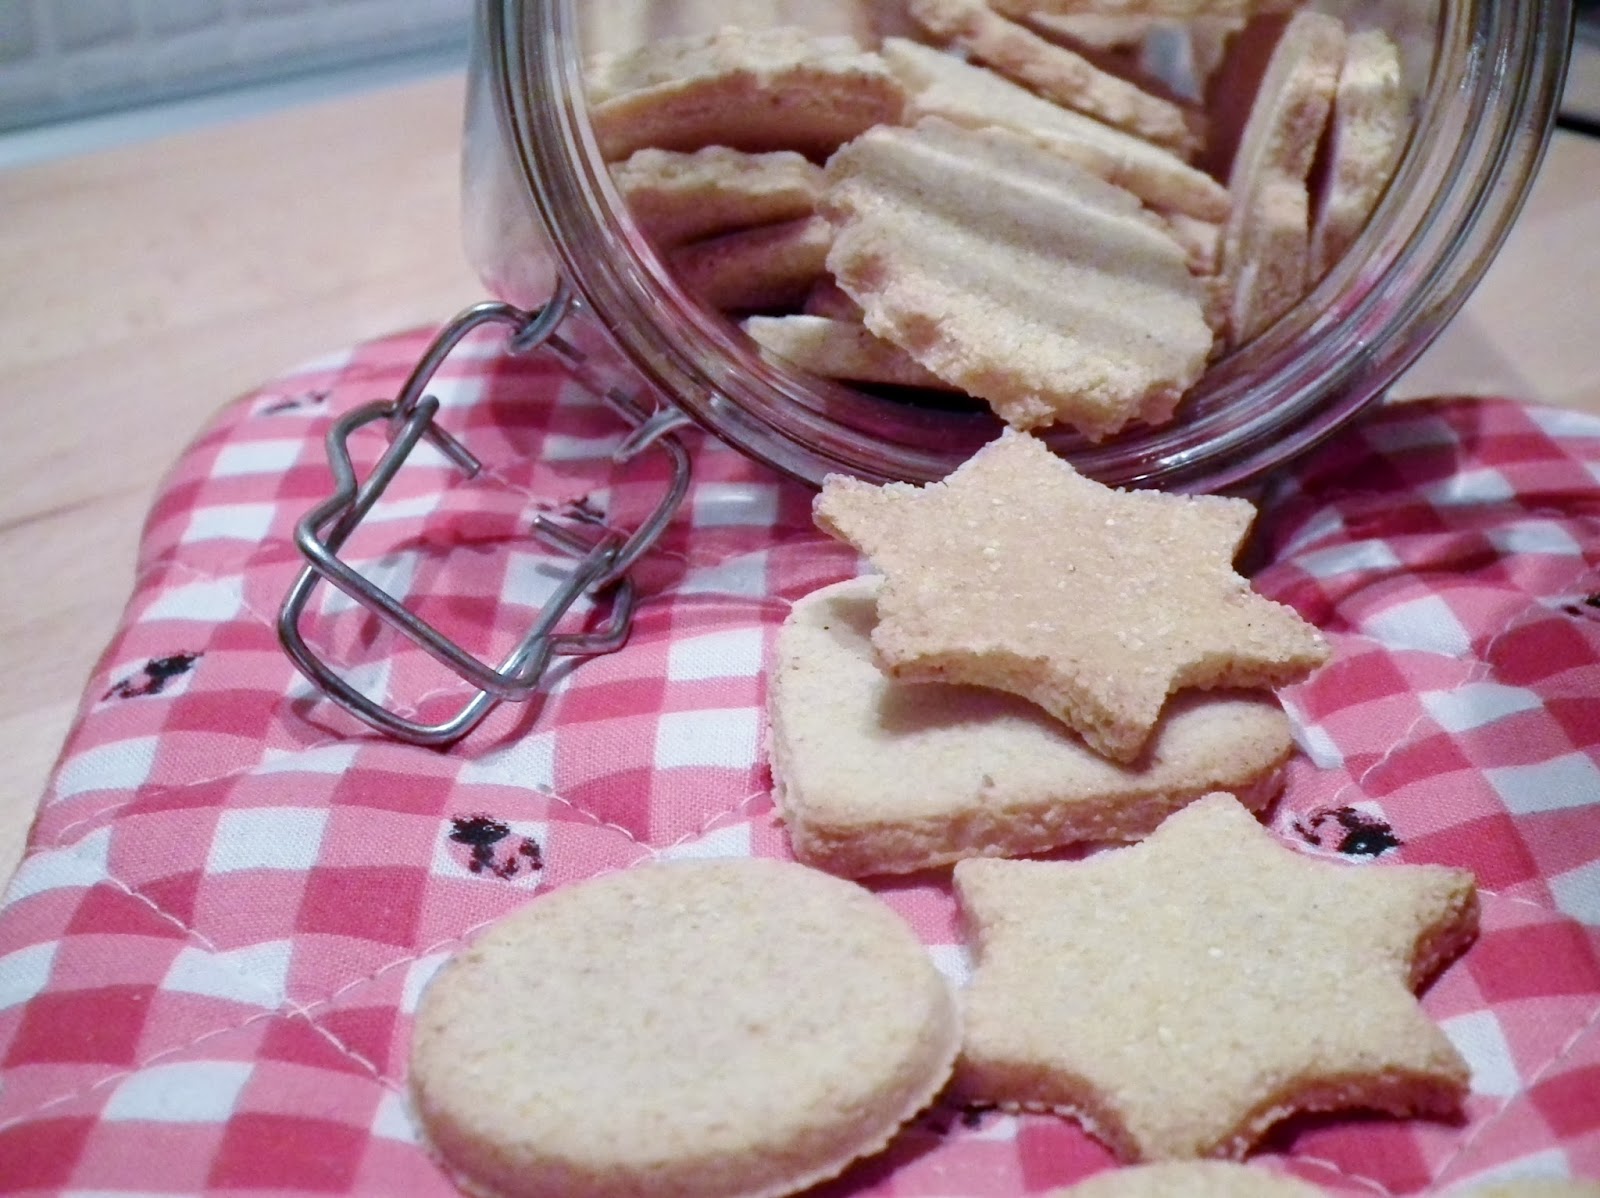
pixel 234 894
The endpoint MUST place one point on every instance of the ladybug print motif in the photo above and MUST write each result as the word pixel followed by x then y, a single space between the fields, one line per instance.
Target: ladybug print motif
pixel 1585 608
pixel 1348 831
pixel 493 849
pixel 153 678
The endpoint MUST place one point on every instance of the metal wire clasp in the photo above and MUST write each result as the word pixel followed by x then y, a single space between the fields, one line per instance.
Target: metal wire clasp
pixel 601 556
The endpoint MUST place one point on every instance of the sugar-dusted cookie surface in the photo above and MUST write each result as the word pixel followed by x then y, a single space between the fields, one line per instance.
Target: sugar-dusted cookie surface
pixel 1221 982
pixel 755 90
pixel 1014 275
pixel 1057 73
pixel 942 85
pixel 1267 272
pixel 1018 573
pixel 1266 238
pixel 740 1027
pixel 683 197
pixel 878 776
pixel 839 349
pixel 1371 119
pixel 1190 1179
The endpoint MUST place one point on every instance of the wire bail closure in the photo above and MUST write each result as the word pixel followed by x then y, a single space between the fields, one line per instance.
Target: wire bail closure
pixel 601 555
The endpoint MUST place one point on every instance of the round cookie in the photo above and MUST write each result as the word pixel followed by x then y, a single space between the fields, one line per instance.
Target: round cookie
pixel 723 1029
pixel 1190 1179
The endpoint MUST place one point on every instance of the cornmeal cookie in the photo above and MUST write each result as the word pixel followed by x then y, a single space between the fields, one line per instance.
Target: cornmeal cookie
pixel 702 1029
pixel 1190 1179
pixel 1371 119
pixel 1055 72
pixel 1268 273
pixel 684 197
pixel 1266 239
pixel 677 18
pixel 1093 29
pixel 761 269
pixel 1226 983
pixel 878 776
pixel 1127 38
pixel 839 349
pixel 942 85
pixel 1018 573
pixel 753 90
pixel 1010 273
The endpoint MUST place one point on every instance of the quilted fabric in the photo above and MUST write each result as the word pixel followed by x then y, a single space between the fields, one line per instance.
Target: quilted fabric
pixel 234 894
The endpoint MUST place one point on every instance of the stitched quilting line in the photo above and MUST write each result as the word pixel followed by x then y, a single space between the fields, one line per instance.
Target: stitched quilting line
pixel 60 844
pixel 1590 1024
pixel 1338 1170
pixel 706 825
pixel 646 853
pixel 1518 900
pixel 1516 512
pixel 60 839
pixel 1531 515
pixel 118 1075
pixel 1482 667
pixel 1435 410
pixel 310 1010
pixel 288 1007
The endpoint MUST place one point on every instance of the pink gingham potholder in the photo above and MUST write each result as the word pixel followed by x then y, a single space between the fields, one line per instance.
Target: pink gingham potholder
pixel 234 893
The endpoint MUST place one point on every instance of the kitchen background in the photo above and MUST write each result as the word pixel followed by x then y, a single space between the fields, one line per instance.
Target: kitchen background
pixel 65 60
pixel 166 63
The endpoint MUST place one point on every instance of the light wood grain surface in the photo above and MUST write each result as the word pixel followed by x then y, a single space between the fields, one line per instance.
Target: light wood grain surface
pixel 147 285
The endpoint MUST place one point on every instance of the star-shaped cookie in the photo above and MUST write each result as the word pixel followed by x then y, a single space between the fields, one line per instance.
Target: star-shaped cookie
pixel 1183 995
pixel 1018 573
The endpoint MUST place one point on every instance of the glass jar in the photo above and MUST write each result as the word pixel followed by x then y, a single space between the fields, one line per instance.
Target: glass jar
pixel 539 205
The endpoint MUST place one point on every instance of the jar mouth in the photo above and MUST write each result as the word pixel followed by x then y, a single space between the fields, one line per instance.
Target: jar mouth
pixel 1482 126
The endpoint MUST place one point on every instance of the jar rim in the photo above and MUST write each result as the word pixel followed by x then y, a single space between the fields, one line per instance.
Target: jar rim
pixel 1483 126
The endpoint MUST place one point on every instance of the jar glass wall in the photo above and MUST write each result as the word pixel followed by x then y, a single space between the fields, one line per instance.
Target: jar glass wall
pixel 1487 77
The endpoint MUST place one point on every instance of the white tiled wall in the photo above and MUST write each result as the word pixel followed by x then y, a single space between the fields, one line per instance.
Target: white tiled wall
pixel 63 58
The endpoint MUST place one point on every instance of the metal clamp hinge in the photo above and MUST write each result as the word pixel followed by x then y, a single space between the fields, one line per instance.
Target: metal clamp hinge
pixel 601 556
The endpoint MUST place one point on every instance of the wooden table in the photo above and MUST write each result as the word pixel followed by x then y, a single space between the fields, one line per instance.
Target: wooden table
pixel 145 286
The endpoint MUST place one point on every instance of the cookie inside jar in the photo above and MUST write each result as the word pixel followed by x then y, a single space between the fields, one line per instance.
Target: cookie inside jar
pixel 1061 215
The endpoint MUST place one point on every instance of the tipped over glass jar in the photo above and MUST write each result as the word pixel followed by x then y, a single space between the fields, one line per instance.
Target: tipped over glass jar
pixel 540 206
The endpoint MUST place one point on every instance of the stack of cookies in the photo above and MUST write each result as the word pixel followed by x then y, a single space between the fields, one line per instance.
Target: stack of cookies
pixel 1043 661
pixel 1010 205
